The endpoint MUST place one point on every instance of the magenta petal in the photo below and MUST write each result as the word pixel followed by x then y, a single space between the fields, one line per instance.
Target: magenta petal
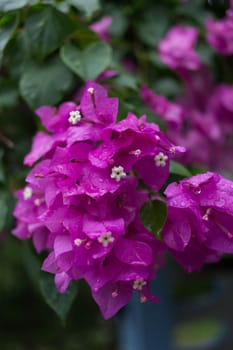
pixel 101 156
pixel 103 110
pixel 42 144
pixel 108 304
pixel 62 281
pixel 62 245
pixel 46 113
pixel 49 264
pixel 82 133
pixel 152 175
pixel 39 238
pixel 177 230
pixel 21 231
pixel 133 252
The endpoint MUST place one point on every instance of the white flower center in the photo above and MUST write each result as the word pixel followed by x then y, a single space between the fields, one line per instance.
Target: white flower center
pixel 106 238
pixel 78 242
pixel 160 159
pixel 139 284
pixel 118 173
pixel 27 193
pixel 75 117
pixel 91 90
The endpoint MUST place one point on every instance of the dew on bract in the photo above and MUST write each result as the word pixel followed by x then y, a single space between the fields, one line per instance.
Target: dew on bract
pixel 220 202
pixel 197 190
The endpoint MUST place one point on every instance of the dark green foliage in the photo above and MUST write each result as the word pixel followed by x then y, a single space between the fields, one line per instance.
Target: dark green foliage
pixel 46 83
pixel 87 6
pixel 60 303
pixel 89 62
pixel 153 215
pixel 8 25
pixel 179 169
pixel 47 28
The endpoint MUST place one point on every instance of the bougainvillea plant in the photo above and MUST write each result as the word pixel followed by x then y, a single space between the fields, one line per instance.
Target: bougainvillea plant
pixel 136 163
pixel 83 197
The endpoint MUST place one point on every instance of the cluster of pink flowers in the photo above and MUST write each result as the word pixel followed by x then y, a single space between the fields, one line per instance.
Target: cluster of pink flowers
pixel 206 133
pixel 83 198
pixel 199 227
pixel 82 201
pixel 220 33
pixel 177 49
pixel 101 28
pixel 202 119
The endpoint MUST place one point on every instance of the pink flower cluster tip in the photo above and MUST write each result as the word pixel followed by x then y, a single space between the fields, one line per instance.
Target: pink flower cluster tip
pixel 220 33
pixel 177 49
pixel 198 229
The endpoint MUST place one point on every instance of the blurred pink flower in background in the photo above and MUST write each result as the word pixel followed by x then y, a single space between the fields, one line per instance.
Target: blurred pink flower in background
pixel 101 27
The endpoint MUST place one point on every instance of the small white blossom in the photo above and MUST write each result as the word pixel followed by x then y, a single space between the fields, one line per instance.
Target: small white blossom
pixel 91 90
pixel 139 283
pixel 106 238
pixel 160 159
pixel 27 193
pixel 75 117
pixel 118 173
pixel 78 242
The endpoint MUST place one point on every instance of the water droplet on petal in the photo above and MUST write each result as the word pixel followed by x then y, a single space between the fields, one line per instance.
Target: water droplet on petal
pixel 173 202
pixel 220 202
pixel 115 294
pixel 197 190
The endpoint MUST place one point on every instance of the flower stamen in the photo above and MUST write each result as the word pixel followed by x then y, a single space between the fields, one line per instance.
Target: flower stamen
pixel 106 238
pixel 139 283
pixel 160 159
pixel 118 173
pixel 27 193
pixel 75 117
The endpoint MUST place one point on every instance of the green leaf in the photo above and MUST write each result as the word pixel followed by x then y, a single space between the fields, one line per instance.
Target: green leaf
pixel 47 28
pixel 178 169
pixel 124 79
pixel 8 94
pixel 11 5
pixel 45 84
pixel 88 63
pixel 60 303
pixel 199 333
pixel 206 53
pixel 194 10
pixel 153 215
pixel 8 25
pixel 31 263
pixel 4 210
pixel 88 6
pixel 18 54
pixel 119 21
pixel 167 86
pixel 153 24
